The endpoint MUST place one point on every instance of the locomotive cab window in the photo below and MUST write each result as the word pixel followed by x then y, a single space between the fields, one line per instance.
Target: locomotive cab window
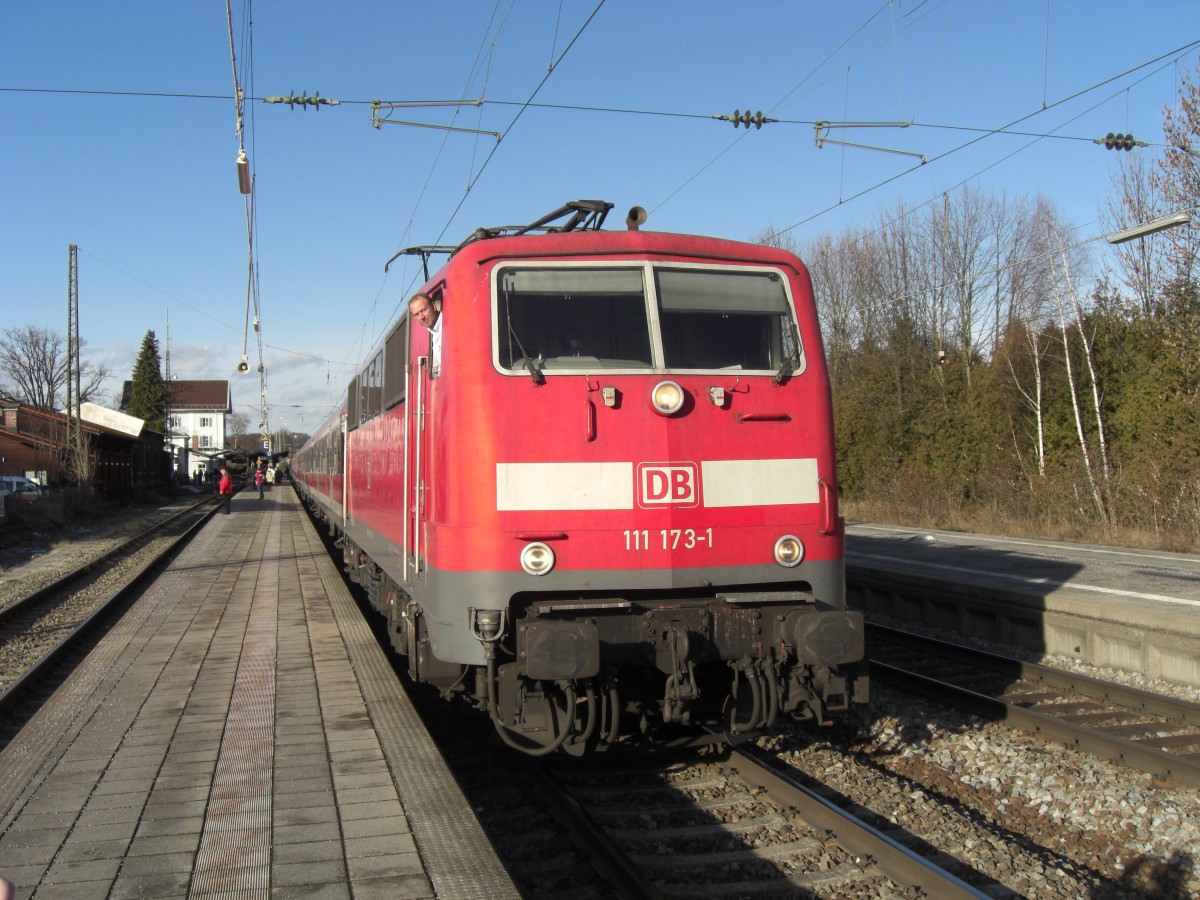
pixel 572 319
pixel 714 319
pixel 564 319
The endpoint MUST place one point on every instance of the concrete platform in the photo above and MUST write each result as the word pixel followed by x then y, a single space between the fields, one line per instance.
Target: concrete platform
pixel 1134 610
pixel 239 733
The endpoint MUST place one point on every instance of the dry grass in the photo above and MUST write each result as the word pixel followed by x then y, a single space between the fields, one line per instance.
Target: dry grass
pixel 58 512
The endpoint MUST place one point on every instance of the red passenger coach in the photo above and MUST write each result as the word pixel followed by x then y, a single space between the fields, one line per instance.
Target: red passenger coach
pixel 606 512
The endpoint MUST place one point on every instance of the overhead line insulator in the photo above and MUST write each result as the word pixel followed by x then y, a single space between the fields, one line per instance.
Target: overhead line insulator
pixel 304 101
pixel 746 118
pixel 1119 142
pixel 245 179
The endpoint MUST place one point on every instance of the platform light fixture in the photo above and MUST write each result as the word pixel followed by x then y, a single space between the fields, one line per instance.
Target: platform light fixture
pixel 1144 228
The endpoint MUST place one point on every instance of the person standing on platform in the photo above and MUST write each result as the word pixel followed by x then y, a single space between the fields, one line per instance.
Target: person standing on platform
pixel 225 490
pixel 259 477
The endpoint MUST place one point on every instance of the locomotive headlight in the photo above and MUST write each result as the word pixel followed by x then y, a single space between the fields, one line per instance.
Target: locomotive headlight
pixel 789 551
pixel 667 398
pixel 537 558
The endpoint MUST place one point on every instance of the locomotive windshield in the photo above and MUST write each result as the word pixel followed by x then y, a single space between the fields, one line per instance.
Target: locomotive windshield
pixel 567 318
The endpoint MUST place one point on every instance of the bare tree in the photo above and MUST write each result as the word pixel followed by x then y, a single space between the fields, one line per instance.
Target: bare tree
pixel 36 362
pixel 1178 176
pixel 80 463
pixel 1032 281
pixel 238 423
pixel 1137 197
pixel 1100 488
pixel 1021 271
pixel 968 264
pixel 1143 191
pixel 836 302
pixel 1034 397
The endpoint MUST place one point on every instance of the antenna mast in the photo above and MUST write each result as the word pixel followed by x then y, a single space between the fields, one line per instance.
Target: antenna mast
pixel 74 426
pixel 167 411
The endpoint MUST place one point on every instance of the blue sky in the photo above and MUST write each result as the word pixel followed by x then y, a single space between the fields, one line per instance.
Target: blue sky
pixel 117 134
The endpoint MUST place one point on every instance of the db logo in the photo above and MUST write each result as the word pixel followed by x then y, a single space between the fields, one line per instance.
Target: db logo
pixel 668 485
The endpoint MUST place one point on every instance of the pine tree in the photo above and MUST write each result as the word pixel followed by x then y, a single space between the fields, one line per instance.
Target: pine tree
pixel 147 392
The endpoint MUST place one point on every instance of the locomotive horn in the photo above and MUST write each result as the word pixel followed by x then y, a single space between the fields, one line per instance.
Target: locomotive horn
pixel 636 217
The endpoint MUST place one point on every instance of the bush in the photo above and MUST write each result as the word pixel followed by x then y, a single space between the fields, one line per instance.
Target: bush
pixel 57 510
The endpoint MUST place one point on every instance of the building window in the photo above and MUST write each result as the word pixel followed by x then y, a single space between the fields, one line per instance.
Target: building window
pixel 173 421
pixel 205 442
pixel 206 421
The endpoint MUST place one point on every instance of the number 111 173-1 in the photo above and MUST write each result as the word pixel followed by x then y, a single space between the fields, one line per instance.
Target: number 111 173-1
pixel 669 539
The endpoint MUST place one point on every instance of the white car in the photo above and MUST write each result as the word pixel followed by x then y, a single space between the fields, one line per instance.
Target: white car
pixel 21 487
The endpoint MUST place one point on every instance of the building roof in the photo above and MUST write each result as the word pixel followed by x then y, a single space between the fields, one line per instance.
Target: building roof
pixel 47 429
pixel 199 395
pixel 111 420
pixel 185 396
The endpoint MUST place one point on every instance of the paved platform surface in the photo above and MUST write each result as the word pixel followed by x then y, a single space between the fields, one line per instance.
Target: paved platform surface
pixel 239 733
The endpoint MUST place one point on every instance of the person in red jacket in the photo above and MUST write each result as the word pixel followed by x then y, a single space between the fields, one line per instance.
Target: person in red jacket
pixel 225 490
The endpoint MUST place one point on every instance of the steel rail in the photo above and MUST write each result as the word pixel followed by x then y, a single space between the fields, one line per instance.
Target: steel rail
pixel 1174 709
pixel 21 604
pixel 875 852
pixel 894 860
pixel 1081 737
pixel 608 859
pixel 19 688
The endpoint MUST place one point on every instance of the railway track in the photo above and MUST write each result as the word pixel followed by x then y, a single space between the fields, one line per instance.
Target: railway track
pixel 660 826
pixel 731 827
pixel 1002 844
pixel 41 628
pixel 1151 732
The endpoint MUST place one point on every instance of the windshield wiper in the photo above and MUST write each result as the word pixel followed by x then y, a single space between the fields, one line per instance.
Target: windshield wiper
pixel 535 372
pixel 789 365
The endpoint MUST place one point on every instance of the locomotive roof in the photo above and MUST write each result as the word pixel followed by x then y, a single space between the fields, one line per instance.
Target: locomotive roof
pixel 577 219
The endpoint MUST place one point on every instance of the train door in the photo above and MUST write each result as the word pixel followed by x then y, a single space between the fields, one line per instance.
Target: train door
pixel 423 372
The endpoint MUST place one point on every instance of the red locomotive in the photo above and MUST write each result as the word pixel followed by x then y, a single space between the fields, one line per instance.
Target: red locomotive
pixel 608 512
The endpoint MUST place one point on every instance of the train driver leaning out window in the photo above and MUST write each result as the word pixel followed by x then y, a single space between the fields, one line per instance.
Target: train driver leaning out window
pixel 429 313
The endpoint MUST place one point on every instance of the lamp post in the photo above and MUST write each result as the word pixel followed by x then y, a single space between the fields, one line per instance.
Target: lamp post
pixel 1144 228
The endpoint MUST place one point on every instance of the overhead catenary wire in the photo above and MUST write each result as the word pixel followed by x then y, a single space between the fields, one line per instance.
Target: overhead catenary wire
pixel 357 344
pixel 487 43
pixel 512 124
pixel 199 310
pixel 616 110
pixel 920 8
pixel 520 112
pixel 478 173
pixel 246 187
pixel 1171 55
pixel 879 302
